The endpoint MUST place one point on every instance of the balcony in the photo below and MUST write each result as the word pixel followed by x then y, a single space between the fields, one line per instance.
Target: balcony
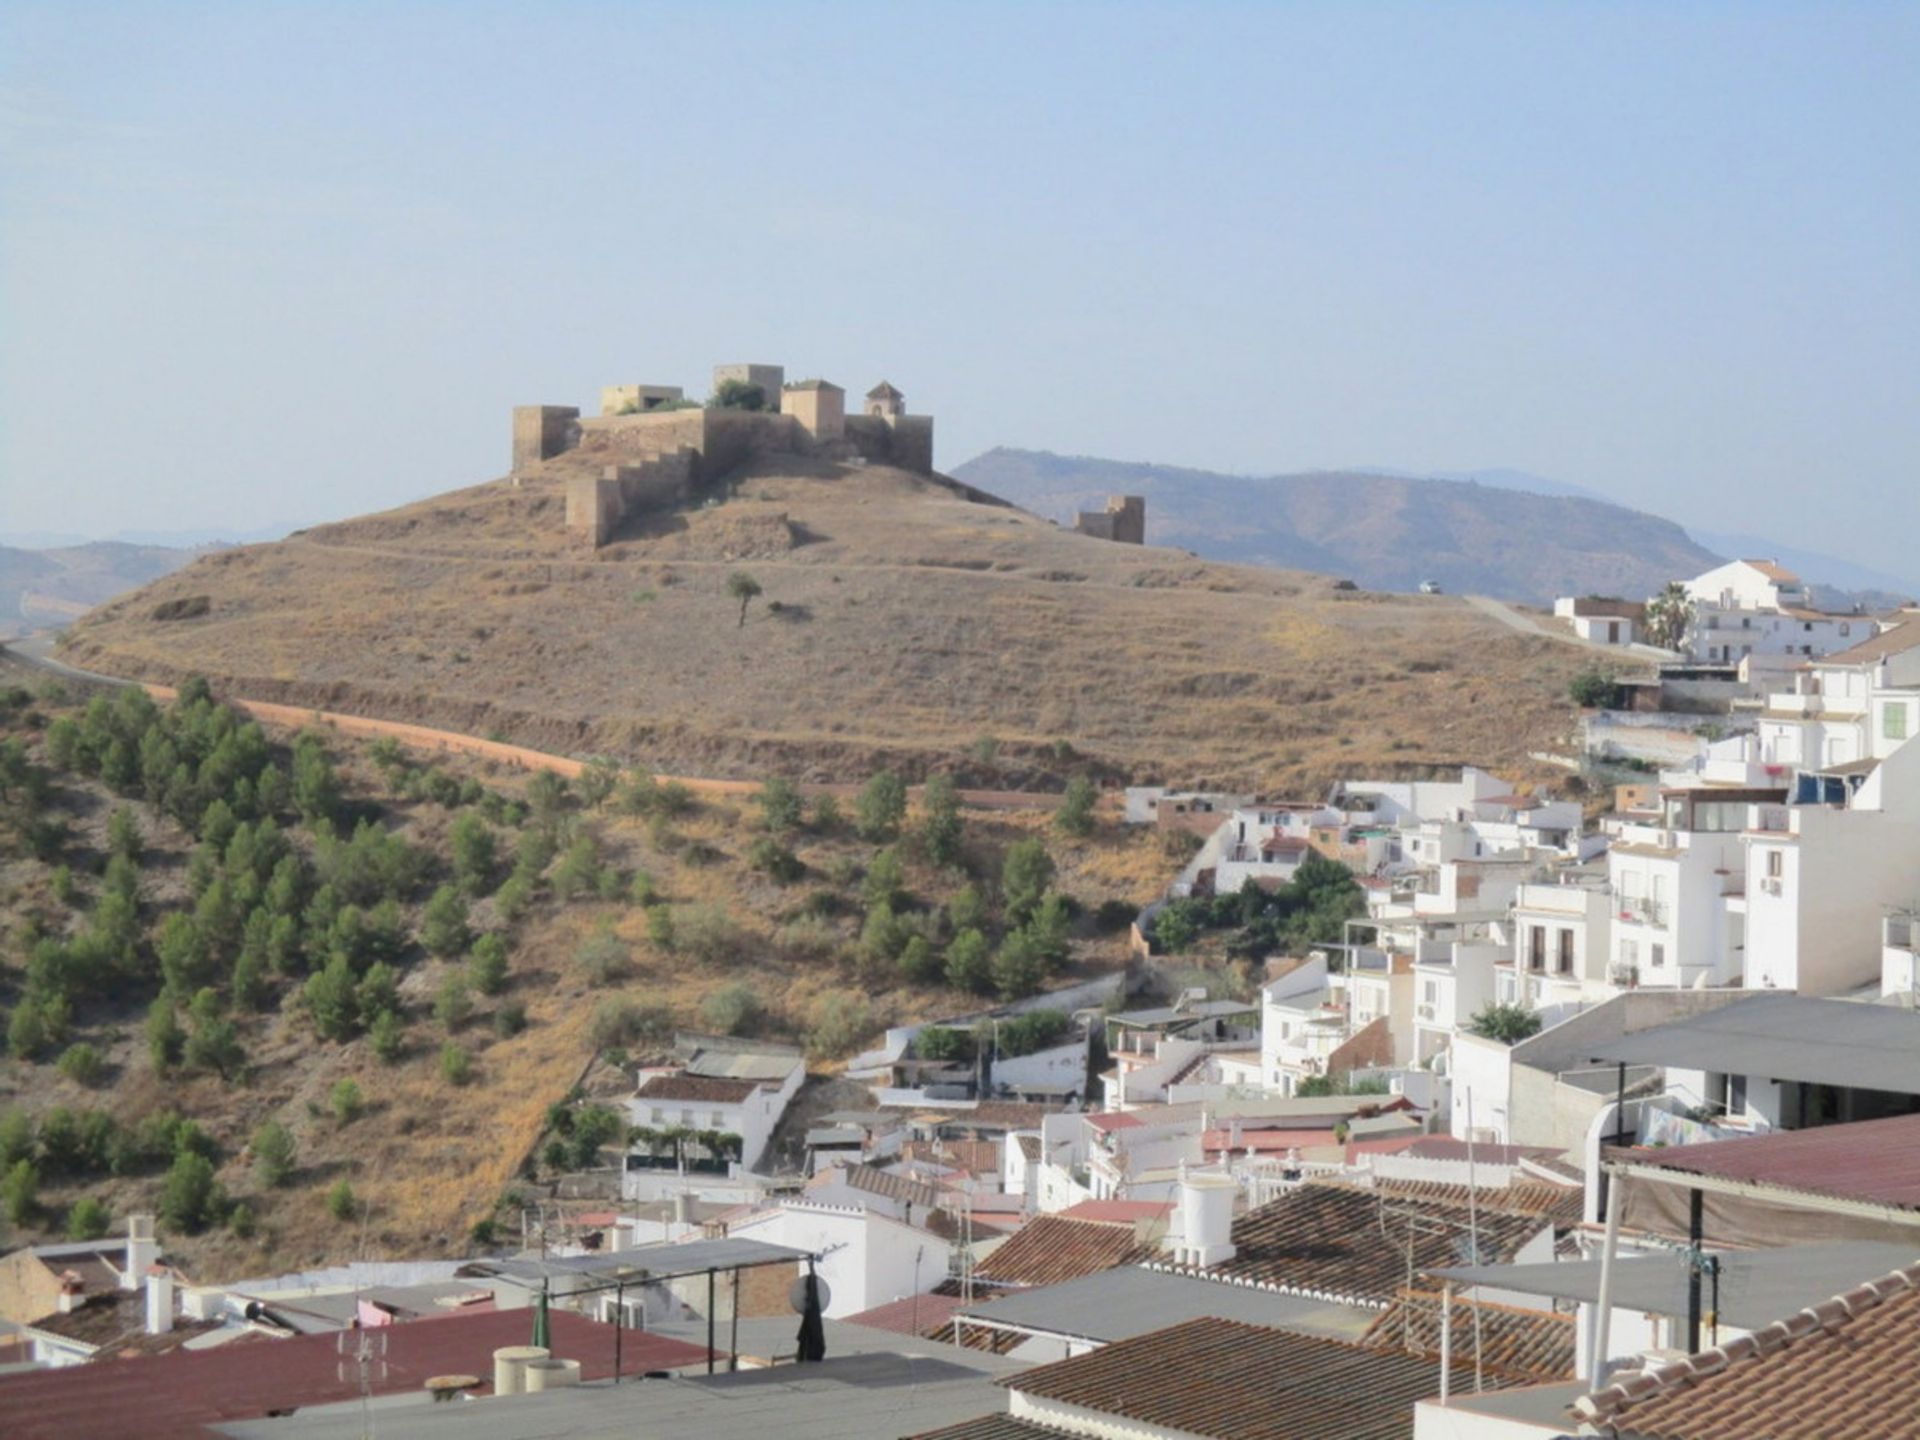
pixel 1646 912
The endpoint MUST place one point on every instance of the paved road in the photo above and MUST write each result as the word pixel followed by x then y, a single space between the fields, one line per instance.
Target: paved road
pixel 37 652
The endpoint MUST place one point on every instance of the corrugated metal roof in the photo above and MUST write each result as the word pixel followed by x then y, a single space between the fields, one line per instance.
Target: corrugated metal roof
pixel 1786 1037
pixel 1876 1160
pixel 1130 1300
pixel 1757 1287
pixel 182 1392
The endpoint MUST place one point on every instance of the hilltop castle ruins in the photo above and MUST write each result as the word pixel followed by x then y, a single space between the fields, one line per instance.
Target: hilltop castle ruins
pixel 657 447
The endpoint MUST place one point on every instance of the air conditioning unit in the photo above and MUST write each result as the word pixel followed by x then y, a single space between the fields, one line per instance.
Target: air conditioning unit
pixel 1770 884
pixel 1425 1012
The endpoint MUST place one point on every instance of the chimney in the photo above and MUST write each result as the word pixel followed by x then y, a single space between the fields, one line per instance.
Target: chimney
pixel 1206 1218
pixel 142 1251
pixel 682 1207
pixel 159 1300
pixel 71 1293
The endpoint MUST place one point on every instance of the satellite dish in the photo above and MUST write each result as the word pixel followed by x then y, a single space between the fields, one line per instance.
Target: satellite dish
pixel 797 1294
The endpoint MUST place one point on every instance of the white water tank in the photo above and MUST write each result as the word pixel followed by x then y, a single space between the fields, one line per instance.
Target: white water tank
pixel 1206 1218
pixel 550 1375
pixel 509 1367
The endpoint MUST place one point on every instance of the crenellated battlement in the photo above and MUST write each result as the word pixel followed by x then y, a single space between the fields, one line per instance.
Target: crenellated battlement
pixel 658 450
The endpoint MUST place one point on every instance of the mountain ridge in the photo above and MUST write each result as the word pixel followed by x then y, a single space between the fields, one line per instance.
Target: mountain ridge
pixel 1385 532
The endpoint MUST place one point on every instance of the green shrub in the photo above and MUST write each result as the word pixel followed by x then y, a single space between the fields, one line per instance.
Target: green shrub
pixel 603 957
pixel 707 933
pixel 781 805
pixel 1075 815
pixel 840 1022
pixel 89 1219
pixel 881 807
pixel 190 1197
pixel 1025 876
pixel 943 1043
pixel 342 1204
pixel 443 923
pixel 969 963
pixel 20 1193
pixel 456 1065
pixel 487 967
pixel 273 1155
pixel 82 1064
pixel 345 1099
pixel 387 1037
pixel 510 1019
pixel 1034 1030
pixel 453 1005
pixel 733 1009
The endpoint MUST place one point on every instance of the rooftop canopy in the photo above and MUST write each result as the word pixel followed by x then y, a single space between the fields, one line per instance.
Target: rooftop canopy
pixel 1757 1287
pixel 1786 1037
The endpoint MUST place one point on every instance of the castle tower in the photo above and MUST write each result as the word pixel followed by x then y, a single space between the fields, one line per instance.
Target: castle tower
pixel 819 405
pixel 885 401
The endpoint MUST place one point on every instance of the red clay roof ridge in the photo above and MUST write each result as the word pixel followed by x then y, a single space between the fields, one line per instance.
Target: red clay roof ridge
pixel 1827 1316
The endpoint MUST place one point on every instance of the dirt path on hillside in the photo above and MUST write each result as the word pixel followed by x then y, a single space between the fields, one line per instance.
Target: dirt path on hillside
pixel 426 740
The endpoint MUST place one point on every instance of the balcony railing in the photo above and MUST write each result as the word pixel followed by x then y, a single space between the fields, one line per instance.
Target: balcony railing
pixel 1645 912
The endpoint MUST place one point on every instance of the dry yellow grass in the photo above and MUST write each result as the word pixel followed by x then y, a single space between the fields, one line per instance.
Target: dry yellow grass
pixel 912 623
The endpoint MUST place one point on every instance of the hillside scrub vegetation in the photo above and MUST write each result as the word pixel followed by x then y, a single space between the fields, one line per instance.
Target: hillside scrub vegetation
pixel 239 971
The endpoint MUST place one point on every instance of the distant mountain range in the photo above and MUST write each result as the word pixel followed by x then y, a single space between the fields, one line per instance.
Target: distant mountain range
pixel 1498 532
pixel 43 589
pixel 1384 532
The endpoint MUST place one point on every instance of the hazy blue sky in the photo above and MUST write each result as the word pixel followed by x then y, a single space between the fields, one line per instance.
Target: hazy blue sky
pixel 297 261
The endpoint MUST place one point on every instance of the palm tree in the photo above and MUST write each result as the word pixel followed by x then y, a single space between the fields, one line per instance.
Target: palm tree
pixel 1669 614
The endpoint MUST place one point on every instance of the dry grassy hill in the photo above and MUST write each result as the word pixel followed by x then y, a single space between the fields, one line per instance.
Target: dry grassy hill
pixel 902 622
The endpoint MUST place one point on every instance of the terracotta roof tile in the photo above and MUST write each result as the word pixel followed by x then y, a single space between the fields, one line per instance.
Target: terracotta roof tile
pixel 1535 1346
pixel 1329 1238
pixel 1229 1380
pixel 919 1315
pixel 990 1427
pixel 1841 1368
pixel 1050 1248
pixel 981 1157
pixel 698 1089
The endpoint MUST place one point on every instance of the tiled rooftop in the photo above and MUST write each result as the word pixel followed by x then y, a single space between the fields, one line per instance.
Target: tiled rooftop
pixel 1529 1345
pixel 1844 1367
pixel 1328 1238
pixel 1228 1380
pixel 1050 1248
pixel 699 1089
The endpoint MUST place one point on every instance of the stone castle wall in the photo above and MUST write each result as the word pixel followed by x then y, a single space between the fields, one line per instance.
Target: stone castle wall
pixel 623 464
pixel 1124 520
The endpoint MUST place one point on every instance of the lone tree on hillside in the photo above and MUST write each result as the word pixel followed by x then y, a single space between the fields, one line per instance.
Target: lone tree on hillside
pixel 1669 614
pixel 737 395
pixel 744 588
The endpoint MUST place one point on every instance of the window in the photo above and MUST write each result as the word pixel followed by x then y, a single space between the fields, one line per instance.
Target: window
pixel 1629 952
pixel 659 1115
pixel 1893 722
pixel 1845 628
pixel 1776 864
pixel 1536 947
pixel 1657 956
pixel 1564 962
pixel 1431 992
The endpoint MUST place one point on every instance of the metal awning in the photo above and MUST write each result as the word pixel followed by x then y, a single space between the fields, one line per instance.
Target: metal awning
pixel 1786 1037
pixel 668 1261
pixel 1757 1287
